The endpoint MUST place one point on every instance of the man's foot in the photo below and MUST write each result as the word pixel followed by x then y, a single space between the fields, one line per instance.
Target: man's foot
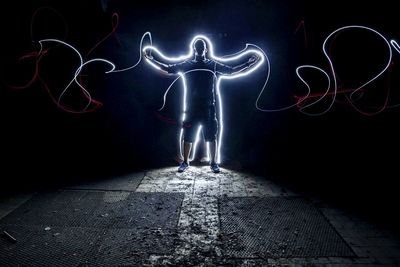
pixel 183 166
pixel 178 158
pixel 215 167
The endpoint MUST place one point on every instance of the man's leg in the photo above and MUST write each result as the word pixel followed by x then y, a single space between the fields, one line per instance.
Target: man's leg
pixel 210 134
pixel 213 151
pixel 204 152
pixel 187 147
pixel 189 133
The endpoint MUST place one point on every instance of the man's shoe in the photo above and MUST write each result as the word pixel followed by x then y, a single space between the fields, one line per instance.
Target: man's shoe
pixel 183 166
pixel 215 168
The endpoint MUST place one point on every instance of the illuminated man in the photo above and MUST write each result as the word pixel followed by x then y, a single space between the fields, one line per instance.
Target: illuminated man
pixel 200 76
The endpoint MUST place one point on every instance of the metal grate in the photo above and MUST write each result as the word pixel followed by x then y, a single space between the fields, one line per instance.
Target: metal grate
pixel 55 247
pixel 125 183
pixel 82 208
pixel 74 228
pixel 274 227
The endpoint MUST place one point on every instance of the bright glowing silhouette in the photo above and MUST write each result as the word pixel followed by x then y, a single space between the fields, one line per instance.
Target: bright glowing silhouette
pixel 201 73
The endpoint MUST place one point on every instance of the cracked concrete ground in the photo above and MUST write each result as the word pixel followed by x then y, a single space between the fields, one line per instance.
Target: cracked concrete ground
pixel 200 240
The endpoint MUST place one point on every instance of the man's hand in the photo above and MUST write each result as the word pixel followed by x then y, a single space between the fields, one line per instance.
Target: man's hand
pixel 253 59
pixel 147 55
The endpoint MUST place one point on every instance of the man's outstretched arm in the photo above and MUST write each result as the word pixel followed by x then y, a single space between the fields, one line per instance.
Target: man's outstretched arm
pixel 229 70
pixel 173 68
pixel 159 65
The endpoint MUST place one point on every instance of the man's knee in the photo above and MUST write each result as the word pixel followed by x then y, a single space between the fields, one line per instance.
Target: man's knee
pixel 189 135
pixel 211 131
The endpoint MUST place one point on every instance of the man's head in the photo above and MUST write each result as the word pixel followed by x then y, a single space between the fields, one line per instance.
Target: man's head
pixel 200 48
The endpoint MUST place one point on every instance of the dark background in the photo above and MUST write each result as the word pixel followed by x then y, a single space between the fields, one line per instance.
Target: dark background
pixel 342 156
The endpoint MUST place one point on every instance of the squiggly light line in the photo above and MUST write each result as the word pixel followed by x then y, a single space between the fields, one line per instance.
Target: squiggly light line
pixel 78 70
pixel 140 53
pixel 229 58
pixel 82 63
pixel 42 52
pixel 309 88
pixel 302 24
pixel 332 69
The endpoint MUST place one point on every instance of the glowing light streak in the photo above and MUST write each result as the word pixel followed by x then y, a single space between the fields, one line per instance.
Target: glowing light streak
pixel 302 25
pixel 247 50
pixel 309 88
pixel 166 91
pixel 148 34
pixel 39 55
pixel 196 142
pixel 114 26
pixel 333 73
pixel 78 70
pixel 35 75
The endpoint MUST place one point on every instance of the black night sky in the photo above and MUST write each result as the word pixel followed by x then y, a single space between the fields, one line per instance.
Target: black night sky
pixel 341 153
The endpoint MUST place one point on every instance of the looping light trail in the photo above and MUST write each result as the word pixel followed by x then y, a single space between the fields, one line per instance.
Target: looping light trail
pixel 148 34
pixel 77 72
pixel 333 91
pixel 303 103
pixel 303 98
pixel 38 56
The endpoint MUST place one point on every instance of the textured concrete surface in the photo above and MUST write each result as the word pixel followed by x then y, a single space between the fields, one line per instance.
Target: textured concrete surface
pixel 199 235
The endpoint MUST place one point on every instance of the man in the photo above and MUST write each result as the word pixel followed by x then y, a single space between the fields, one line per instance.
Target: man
pixel 200 75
